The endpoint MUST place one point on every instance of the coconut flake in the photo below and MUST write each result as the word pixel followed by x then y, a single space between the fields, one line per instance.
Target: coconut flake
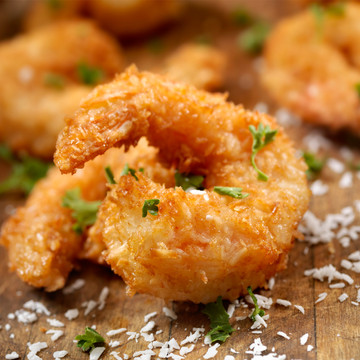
pixel 318 188
pixel 280 333
pixel 149 316
pixel 72 314
pixel 282 302
pixel 55 323
pixel 60 354
pixel 335 165
pixel 343 297
pixel 304 339
pixel 56 334
pixel 115 331
pixel 169 313
pixel 12 356
pixel 212 351
pixel 96 353
pixel 78 284
pixel 300 308
pixel 36 306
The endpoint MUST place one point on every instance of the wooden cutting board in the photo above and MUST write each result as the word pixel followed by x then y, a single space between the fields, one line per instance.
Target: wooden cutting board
pixel 332 326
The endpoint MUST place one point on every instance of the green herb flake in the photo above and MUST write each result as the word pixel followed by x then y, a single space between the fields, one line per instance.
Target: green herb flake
pixel 89 75
pixel 55 4
pixel 156 46
pixel 357 88
pixel 320 11
pixel 203 39
pixel 128 170
pixel 25 173
pixel 150 206
pixel 242 17
pixel 314 164
pixel 109 175
pixel 84 212
pixel 261 137
pixel 89 340
pixel 234 192
pixel 54 80
pixel 187 181
pixel 257 310
pixel 252 40
pixel 219 321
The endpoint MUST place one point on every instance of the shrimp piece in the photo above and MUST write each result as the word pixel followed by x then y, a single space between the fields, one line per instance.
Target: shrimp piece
pixel 200 65
pixel 312 66
pixel 122 18
pixel 35 224
pixel 41 81
pixel 201 244
pixel 42 246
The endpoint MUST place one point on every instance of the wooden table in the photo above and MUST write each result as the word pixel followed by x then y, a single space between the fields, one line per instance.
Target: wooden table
pixel 333 327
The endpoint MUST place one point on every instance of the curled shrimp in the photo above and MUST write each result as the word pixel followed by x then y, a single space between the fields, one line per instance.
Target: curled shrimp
pixel 312 65
pixel 196 245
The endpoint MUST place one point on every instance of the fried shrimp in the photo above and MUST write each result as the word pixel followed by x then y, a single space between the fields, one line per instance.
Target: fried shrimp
pixel 200 65
pixel 42 245
pixel 193 245
pixel 312 66
pixel 43 79
pixel 122 18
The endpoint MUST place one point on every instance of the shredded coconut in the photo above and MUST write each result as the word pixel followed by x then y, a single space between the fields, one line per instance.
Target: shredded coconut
pixel 346 180
pixel 169 313
pixel 12 356
pixel 318 188
pixel 330 272
pixel 55 322
pixel 212 351
pixel 321 297
pixel 149 316
pixel 335 165
pixel 78 284
pixel 36 306
pixel 280 333
pixel 96 353
pixel 283 302
pixel 343 297
pixel 72 314
pixel 304 339
pixel 60 354
pixel 115 331
pixel 300 308
pixel 56 334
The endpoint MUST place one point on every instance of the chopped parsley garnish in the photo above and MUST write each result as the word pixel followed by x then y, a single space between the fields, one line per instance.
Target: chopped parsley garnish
pixel 261 137
pixel 84 212
pixel 109 175
pixel 252 40
pixel 55 4
pixel 54 80
pixel 314 164
pixel 89 75
pixel 150 206
pixel 156 46
pixel 257 310
pixel 242 17
pixel 26 171
pixel 89 340
pixel 128 170
pixel 234 192
pixel 320 11
pixel 219 321
pixel 187 181
pixel 357 88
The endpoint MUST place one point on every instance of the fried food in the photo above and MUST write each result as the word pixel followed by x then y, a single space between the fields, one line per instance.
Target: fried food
pixel 42 80
pixel 312 67
pixel 42 246
pixel 122 18
pixel 200 65
pixel 200 245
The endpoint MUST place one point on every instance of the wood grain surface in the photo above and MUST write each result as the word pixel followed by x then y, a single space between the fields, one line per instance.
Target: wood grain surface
pixel 333 327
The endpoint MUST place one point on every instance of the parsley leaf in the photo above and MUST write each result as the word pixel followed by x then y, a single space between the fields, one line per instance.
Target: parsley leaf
pixel 150 206
pixel 252 40
pixel 187 181
pixel 261 137
pixel 234 192
pixel 89 75
pixel 84 212
pixel 319 12
pixel 257 310
pixel 219 321
pixel 89 340
pixel 357 88
pixel 26 171
pixel 128 170
pixel 242 17
pixel 314 165
pixel 109 175
pixel 54 80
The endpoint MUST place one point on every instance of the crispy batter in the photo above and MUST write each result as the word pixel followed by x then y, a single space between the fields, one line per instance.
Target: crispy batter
pixel 43 265
pixel 313 66
pixel 200 65
pixel 32 109
pixel 199 246
pixel 123 18
pixel 42 246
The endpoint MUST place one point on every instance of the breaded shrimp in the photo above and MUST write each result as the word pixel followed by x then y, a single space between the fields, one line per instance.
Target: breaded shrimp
pixel 199 245
pixel 42 80
pixel 200 65
pixel 42 246
pixel 312 66
pixel 122 18
pixel 29 234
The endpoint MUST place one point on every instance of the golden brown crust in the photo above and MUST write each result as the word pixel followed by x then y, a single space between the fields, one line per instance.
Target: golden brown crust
pixel 313 68
pixel 25 65
pixel 182 254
